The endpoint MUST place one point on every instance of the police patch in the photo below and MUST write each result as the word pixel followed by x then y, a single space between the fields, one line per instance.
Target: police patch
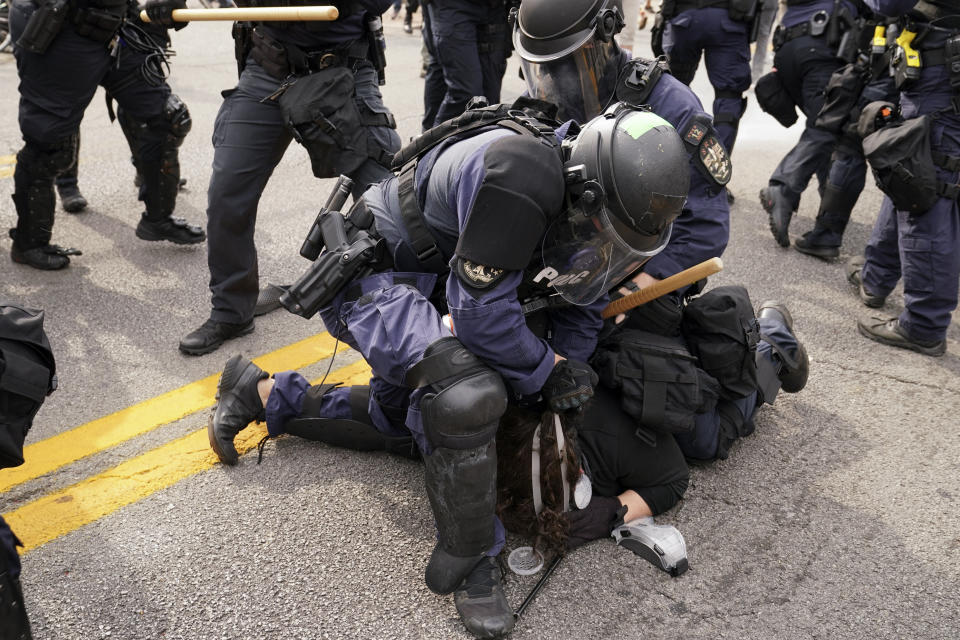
pixel 695 133
pixel 714 158
pixel 478 276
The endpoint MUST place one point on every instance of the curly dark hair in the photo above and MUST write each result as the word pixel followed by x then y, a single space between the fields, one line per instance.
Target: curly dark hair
pixel 514 486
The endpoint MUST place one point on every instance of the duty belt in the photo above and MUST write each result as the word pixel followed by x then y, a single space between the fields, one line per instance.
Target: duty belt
pixel 302 61
pixel 782 36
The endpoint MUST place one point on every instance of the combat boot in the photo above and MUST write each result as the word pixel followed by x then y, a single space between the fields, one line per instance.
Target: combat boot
pixel 825 239
pixel 889 332
pixel 238 404
pixel 71 199
pixel 211 334
pixel 794 363
pixel 854 268
pixel 481 602
pixel 778 207
pixel 175 230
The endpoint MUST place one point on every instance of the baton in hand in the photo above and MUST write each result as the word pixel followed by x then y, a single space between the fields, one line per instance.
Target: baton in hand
pixel 665 286
pixel 253 14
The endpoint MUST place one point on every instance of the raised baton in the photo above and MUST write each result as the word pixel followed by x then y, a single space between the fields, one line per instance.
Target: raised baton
pixel 654 291
pixel 253 14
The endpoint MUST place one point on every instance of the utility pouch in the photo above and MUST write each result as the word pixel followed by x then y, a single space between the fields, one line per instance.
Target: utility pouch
pixel 99 25
pixel 242 33
pixel 269 54
pixel 772 96
pixel 658 379
pixel 742 10
pixel 323 116
pixel 722 332
pixel 43 26
pixel 842 95
pixel 902 162
pixel 656 34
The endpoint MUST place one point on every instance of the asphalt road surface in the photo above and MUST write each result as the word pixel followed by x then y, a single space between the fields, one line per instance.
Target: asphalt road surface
pixel 838 518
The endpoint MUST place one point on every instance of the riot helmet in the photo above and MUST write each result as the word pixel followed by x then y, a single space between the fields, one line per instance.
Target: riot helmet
pixel 627 177
pixel 568 53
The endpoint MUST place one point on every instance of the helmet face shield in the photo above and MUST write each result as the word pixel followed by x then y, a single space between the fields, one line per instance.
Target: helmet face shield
pixel 584 254
pixel 576 82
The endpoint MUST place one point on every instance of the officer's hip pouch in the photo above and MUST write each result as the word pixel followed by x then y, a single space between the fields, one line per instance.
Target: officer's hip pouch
pixel 842 95
pixel 320 111
pixel 772 96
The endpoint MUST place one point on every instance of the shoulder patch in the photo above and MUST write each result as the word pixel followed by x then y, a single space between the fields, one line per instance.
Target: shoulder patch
pixel 694 133
pixel 714 158
pixel 476 275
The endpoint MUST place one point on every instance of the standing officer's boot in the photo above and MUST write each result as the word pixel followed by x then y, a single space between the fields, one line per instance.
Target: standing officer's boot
pixel 160 195
pixel 481 602
pixel 71 199
pixel 775 202
pixel 238 404
pixel 827 234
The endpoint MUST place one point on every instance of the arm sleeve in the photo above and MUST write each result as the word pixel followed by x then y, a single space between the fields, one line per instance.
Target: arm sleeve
pixel 575 329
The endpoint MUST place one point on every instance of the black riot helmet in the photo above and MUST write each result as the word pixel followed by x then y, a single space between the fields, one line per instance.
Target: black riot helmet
pixel 627 176
pixel 568 53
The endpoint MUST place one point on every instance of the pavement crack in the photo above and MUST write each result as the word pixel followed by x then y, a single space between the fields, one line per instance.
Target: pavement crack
pixel 890 377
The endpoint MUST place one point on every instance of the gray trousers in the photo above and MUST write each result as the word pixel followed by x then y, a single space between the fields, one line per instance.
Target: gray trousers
pixel 249 139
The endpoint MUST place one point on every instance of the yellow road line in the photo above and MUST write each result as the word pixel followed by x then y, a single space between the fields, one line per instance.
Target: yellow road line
pixel 54 515
pixel 67 447
pixel 6 172
pixel 8 159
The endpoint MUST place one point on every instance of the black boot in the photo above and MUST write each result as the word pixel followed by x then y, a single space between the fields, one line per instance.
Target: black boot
pixel 778 207
pixel 481 602
pixel 176 230
pixel 794 365
pixel 211 334
pixel 238 404
pixel 827 234
pixel 71 199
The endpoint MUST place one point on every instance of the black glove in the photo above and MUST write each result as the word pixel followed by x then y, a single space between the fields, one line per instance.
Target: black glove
pixel 569 386
pixel 596 521
pixel 161 12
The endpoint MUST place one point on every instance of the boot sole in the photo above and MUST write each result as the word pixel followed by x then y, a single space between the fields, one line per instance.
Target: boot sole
pixel 150 236
pixel 215 445
pixel 200 351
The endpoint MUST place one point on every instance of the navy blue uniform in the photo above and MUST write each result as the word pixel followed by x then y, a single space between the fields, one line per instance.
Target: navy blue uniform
pixel 724 44
pixel 805 64
pixel 469 48
pixel 55 89
pixel 249 139
pixel 921 249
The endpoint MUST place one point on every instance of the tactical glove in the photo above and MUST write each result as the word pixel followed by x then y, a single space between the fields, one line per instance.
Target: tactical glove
pixel 596 521
pixel 569 386
pixel 161 12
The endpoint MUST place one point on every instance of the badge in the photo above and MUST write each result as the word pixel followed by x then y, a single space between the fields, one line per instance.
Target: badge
pixel 715 160
pixel 695 133
pixel 477 275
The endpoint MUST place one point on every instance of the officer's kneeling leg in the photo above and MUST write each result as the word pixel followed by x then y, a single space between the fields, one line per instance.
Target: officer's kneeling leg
pixel 782 360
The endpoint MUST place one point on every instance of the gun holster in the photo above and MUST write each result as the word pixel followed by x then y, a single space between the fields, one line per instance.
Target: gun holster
pixel 43 26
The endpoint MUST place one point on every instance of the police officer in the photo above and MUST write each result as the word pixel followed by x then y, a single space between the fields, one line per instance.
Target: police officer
pixel 63 50
pixel 27 377
pixel 571 59
pixel 719 30
pixel 806 44
pixel 469 45
pixel 920 247
pixel 337 64
pixel 505 240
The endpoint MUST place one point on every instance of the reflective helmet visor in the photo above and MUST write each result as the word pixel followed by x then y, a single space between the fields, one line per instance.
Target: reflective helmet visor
pixel 576 82
pixel 584 255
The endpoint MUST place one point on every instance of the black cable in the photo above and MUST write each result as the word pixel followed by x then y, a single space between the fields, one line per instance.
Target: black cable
pixel 155 68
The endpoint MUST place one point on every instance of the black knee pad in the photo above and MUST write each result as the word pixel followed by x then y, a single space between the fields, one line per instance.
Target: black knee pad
pixel 466 399
pixel 176 116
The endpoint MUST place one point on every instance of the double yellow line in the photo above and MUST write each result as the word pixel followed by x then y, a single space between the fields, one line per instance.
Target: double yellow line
pixel 66 510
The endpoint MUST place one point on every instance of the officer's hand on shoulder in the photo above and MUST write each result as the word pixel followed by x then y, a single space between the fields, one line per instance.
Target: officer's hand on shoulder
pixel 570 385
pixel 161 12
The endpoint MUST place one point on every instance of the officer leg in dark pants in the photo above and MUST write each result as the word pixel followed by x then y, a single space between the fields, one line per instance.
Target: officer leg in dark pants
pixel 726 50
pixel 805 65
pixel 249 139
pixel 55 88
pixel 68 188
pixel 434 86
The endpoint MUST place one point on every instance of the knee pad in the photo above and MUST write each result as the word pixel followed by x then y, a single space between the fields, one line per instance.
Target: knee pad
pixel 47 161
pixel 177 119
pixel 465 400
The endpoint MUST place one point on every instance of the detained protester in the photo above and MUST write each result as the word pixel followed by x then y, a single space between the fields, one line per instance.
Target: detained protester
pixel 507 243
pixel 289 72
pixel 571 59
pixel 813 40
pixel 916 162
pixel 65 49
pixel 27 377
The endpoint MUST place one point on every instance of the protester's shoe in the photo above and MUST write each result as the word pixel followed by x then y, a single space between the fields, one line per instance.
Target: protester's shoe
pixel 779 209
pixel 176 230
pixel 71 199
pixel 238 404
pixel 211 334
pixel 49 257
pixel 793 375
pixel 269 299
pixel 854 268
pixel 888 331
pixel 481 602
pixel 814 244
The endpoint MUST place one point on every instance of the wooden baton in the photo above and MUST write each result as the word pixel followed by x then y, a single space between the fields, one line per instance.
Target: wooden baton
pixel 654 291
pixel 253 14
